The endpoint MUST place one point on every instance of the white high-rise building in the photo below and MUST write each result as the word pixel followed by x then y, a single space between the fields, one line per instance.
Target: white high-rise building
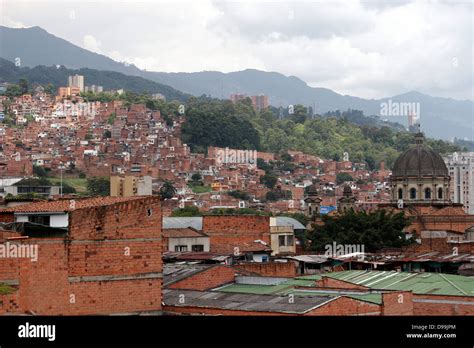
pixel 461 170
pixel 76 81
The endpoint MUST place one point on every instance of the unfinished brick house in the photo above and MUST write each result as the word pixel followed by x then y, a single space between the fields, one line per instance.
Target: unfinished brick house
pixel 94 256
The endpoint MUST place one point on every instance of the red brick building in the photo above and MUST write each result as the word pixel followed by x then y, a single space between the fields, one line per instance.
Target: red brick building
pixel 107 260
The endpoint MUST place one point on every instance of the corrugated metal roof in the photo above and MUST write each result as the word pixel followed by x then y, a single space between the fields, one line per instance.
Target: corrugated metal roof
pixel 173 272
pixel 281 288
pixel 287 221
pixel 242 301
pixel 419 283
pixel 368 297
pixel 316 259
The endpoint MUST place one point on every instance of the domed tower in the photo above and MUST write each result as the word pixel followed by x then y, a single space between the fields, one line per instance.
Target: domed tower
pixel 312 201
pixel 347 201
pixel 420 176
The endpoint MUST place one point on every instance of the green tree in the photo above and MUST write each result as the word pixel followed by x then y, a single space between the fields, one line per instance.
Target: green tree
pixel 112 118
pixel 167 190
pixel 269 180
pixel 186 212
pixel 98 186
pixel 196 178
pixel 239 195
pixel 342 178
pixel 23 84
pixel 39 171
pixel 374 230
pixel 49 89
pixel 13 91
pixel 68 189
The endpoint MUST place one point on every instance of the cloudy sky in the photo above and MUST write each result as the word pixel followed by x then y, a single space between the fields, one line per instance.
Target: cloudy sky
pixel 368 49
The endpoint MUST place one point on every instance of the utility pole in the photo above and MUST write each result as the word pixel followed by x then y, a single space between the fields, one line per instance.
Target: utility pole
pixel 61 169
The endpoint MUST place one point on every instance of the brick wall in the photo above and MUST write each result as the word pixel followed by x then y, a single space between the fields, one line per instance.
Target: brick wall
pixel 207 279
pixel 327 282
pixel 443 305
pixel 270 269
pixel 347 306
pixel 9 303
pixel 397 303
pixel 228 232
pixel 110 262
pixel 7 217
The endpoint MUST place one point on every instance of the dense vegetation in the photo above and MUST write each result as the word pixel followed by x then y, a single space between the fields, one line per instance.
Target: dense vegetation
pixel 220 123
pixel 374 230
pixel 98 186
pixel 212 122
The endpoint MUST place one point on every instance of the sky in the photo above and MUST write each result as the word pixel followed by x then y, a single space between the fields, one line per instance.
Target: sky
pixel 369 49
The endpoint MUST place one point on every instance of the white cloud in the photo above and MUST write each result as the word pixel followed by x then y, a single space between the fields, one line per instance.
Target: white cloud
pixel 92 44
pixel 367 49
pixel 8 22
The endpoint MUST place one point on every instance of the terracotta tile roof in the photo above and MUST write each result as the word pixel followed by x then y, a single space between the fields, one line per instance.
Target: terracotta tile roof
pixel 66 205
pixel 450 211
pixel 188 232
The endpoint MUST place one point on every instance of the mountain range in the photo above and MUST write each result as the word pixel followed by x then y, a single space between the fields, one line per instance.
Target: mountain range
pixel 442 118
pixel 110 80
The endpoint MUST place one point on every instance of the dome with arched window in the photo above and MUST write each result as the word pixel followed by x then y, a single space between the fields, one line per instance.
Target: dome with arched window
pixel 419 175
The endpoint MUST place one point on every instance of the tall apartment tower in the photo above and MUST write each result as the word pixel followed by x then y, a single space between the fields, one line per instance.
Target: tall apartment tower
pixel 76 81
pixel 260 102
pixel 237 97
pixel 461 170
pixel 127 186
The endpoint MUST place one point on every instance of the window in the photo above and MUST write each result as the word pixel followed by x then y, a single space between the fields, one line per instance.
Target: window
pixel 39 219
pixel 286 240
pixel 400 193
pixel 289 240
pixel 440 193
pixel 427 193
pixel 197 247
pixel 281 240
pixel 413 193
pixel 181 248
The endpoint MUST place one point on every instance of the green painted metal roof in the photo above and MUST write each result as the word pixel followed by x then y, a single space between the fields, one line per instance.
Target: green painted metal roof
pixel 419 283
pixel 373 297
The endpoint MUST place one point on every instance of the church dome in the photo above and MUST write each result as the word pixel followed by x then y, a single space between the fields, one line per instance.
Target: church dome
pixel 419 160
